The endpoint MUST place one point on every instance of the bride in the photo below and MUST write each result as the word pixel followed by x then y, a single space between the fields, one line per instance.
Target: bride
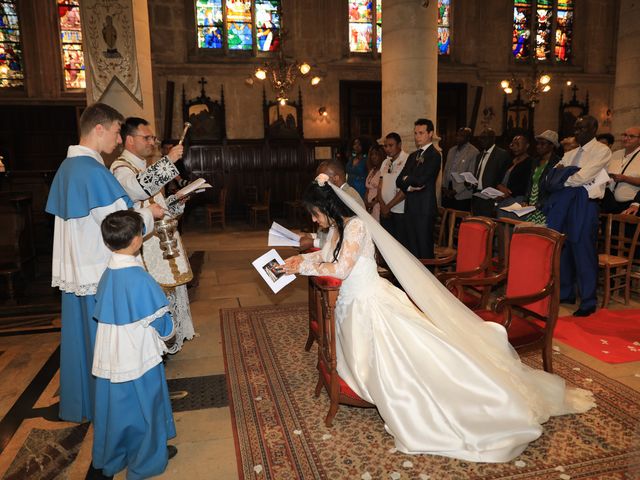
pixel 444 381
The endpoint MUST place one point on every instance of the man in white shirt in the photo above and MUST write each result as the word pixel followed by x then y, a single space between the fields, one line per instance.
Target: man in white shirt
pixel 391 197
pixel 579 259
pixel 337 175
pixel 144 186
pixel 461 158
pixel 624 169
pixel 82 194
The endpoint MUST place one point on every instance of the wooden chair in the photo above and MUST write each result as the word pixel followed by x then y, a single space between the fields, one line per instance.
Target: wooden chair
pixel 474 253
pixel 621 239
pixel 216 213
pixel 446 243
pixel 529 308
pixel 294 208
pixel 316 284
pixel 261 209
pixel 250 198
pixel 505 228
pixel 339 392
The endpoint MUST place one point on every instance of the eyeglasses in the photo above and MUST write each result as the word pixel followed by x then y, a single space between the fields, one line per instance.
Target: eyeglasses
pixel 147 138
pixel 626 135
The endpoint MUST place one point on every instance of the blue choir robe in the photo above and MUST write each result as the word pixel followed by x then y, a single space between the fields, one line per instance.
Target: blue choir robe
pixel 83 192
pixel 133 419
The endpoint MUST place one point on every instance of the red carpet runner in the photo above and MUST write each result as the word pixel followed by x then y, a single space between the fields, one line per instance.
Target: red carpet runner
pixel 611 336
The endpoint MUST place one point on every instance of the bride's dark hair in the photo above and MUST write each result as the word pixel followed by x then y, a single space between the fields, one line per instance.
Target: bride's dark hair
pixel 327 202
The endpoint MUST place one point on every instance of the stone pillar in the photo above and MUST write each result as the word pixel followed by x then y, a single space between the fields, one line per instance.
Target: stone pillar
pixel 409 66
pixel 626 95
pixel 118 56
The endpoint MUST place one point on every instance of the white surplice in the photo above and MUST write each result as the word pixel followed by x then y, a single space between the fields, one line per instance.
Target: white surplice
pixel 444 381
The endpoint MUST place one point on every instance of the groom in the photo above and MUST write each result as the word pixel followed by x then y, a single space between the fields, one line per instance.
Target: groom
pixel 418 182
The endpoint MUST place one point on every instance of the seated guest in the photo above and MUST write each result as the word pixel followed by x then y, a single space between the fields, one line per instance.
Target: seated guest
pixel 356 167
pixel 634 208
pixel 376 156
pixel 461 158
pixel 624 170
pixel 515 180
pixel 491 166
pixel 546 159
pixel 133 419
pixel 568 144
pixel 390 197
pixel 335 171
pixel 606 138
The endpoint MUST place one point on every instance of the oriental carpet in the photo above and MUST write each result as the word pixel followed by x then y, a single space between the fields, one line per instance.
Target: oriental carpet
pixel 280 433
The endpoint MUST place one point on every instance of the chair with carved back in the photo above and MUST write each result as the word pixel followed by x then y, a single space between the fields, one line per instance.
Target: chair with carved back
pixel 338 390
pixel 620 242
pixel 261 208
pixel 445 249
pixel 529 308
pixel 475 246
pixel 315 304
pixel 216 213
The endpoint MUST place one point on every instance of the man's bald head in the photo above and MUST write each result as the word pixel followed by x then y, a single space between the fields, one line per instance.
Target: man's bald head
pixel 334 170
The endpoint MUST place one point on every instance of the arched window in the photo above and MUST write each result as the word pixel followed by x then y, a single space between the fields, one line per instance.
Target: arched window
pixel 444 27
pixel 545 35
pixel 362 34
pixel 11 74
pixel 71 44
pixel 238 25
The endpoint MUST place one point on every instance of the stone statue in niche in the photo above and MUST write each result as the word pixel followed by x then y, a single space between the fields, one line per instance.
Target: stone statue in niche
pixel 110 37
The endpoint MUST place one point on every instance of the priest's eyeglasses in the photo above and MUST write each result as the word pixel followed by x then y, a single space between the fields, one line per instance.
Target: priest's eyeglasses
pixel 147 138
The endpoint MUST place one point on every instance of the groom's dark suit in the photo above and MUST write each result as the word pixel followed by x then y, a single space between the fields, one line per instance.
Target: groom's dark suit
pixel 420 207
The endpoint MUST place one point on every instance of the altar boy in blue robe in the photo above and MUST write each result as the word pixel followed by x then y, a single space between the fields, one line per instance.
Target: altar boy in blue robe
pixel 84 192
pixel 133 419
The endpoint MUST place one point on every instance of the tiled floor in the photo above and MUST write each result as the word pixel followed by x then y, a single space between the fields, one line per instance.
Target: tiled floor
pixel 205 439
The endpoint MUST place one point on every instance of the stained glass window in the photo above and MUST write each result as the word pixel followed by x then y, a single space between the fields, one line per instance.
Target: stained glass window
pixel 379 26
pixel 552 22
pixel 444 27
pixel 245 25
pixel 564 30
pixel 71 40
pixel 11 74
pixel 360 25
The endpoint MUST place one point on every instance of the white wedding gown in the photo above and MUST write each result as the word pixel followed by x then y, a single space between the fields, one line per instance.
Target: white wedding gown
pixel 444 381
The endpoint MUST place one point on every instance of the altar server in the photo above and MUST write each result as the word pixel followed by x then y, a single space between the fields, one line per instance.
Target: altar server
pixel 84 192
pixel 133 419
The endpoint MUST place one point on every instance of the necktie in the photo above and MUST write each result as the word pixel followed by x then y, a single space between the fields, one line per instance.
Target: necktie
pixel 480 170
pixel 575 162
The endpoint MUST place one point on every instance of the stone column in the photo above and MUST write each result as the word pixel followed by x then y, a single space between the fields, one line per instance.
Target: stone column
pixel 409 66
pixel 118 56
pixel 626 95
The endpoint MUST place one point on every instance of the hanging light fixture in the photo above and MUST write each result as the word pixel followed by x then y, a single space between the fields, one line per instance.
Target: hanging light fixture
pixel 531 88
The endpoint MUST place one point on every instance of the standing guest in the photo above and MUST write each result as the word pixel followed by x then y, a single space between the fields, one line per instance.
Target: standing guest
pixel 461 158
pixel 391 198
pixel 356 167
pixel 144 186
pixel 579 258
pixel 84 192
pixel 418 182
pixel 624 169
pixel 546 159
pixel 606 138
pixel 491 166
pixel 376 156
pixel 515 180
pixel 133 419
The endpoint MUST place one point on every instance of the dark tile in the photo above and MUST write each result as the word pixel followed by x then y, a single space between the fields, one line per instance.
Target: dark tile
pixel 209 391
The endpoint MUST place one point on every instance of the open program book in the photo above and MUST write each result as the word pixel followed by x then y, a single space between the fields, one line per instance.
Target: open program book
pixel 282 237
pixel 267 266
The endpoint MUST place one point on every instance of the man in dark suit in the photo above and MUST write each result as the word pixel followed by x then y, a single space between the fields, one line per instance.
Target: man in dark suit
pixel 418 182
pixel 491 166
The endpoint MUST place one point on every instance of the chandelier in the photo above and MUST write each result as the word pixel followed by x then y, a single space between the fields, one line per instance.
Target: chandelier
pixel 282 74
pixel 532 88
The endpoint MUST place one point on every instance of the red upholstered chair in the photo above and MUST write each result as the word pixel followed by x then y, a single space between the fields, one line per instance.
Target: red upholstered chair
pixel 529 308
pixel 475 243
pixel 315 304
pixel 339 392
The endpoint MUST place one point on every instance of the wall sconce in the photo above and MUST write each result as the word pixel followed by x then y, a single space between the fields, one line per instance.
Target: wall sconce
pixel 322 111
pixel 315 81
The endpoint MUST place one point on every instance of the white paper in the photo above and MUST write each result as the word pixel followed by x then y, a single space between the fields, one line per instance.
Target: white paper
pixel 282 237
pixel 265 265
pixel 489 193
pixel 464 177
pixel 197 185
pixel 518 209
pixel 600 179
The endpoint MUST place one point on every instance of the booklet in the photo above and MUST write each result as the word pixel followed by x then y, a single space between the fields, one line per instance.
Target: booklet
pixel 282 237
pixel 518 209
pixel 601 178
pixel 465 177
pixel 196 186
pixel 266 265
pixel 489 193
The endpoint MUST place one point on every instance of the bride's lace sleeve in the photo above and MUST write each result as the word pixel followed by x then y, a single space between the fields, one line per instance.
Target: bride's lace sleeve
pixel 354 240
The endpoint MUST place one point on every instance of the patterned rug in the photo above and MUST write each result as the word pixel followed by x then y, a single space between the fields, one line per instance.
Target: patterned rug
pixel 280 433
